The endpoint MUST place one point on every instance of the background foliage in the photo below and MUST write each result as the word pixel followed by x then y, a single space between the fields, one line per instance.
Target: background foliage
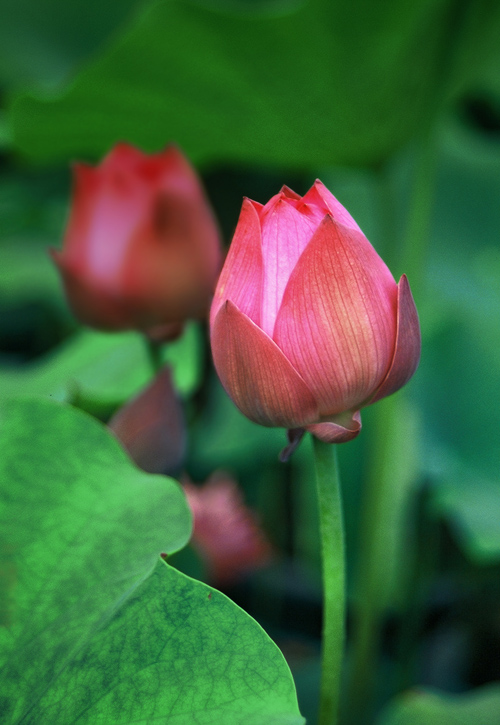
pixel 397 108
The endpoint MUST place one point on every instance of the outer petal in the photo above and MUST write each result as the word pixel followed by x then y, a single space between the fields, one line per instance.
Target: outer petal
pixel 319 194
pixel 151 427
pixel 91 302
pixel 241 278
pixel 173 173
pixel 257 375
pixel 289 193
pixel 108 206
pixel 286 231
pixel 337 322
pixel 172 262
pixel 344 429
pixel 408 344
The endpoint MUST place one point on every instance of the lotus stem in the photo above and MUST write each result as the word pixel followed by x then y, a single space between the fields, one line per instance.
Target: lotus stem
pixel 332 551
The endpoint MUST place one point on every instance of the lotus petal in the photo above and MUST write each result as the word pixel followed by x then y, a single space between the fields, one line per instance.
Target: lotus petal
pixel 319 194
pixel 285 234
pixel 256 374
pixel 241 277
pixel 344 429
pixel 408 343
pixel 337 321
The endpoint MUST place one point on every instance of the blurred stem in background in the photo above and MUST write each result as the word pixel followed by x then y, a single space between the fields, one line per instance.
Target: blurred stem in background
pixel 422 564
pixel 392 465
pixel 154 350
pixel 333 566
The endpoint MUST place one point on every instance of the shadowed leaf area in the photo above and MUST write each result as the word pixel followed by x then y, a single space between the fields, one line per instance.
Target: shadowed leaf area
pixel 434 708
pixel 97 370
pixel 95 627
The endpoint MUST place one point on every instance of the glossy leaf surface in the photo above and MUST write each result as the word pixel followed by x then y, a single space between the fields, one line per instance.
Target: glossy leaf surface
pixel 96 628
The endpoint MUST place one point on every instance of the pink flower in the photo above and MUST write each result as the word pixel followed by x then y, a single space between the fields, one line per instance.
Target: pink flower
pixel 142 248
pixel 308 325
pixel 226 533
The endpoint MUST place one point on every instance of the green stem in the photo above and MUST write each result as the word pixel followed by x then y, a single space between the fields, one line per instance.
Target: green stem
pixel 154 351
pixel 332 550
pixel 369 604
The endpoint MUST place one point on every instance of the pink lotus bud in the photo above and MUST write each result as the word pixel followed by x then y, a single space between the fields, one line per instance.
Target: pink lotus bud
pixel 308 325
pixel 142 249
pixel 226 533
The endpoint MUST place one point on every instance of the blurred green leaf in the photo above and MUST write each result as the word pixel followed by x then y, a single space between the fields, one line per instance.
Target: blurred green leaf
pixel 471 505
pixel 5 137
pixel 33 202
pixel 27 271
pixel 474 31
pixel 324 82
pixel 33 312
pixel 42 41
pixel 185 355
pixel 106 369
pixel 457 381
pixel 94 632
pixel 480 707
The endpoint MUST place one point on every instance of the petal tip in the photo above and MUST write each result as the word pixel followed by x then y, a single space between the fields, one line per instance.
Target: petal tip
pixel 289 193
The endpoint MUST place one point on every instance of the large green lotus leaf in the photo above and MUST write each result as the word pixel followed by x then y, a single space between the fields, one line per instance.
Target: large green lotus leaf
pixel 314 83
pixel 81 528
pixel 93 631
pixel 481 707
pixel 95 369
pixel 177 652
pixel 41 41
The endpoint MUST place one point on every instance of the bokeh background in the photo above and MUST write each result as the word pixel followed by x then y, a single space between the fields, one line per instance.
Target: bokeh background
pixel 396 107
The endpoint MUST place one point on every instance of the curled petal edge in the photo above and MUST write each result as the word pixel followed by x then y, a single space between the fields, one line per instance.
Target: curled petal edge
pixel 338 432
pixel 407 348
